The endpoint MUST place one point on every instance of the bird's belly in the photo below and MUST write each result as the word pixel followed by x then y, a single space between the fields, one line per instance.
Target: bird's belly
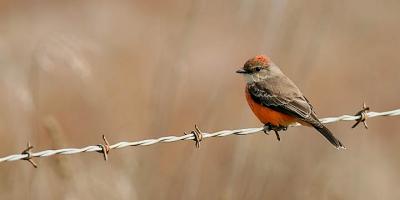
pixel 267 115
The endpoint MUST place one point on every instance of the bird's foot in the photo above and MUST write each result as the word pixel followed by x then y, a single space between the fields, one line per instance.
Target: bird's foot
pixel 269 127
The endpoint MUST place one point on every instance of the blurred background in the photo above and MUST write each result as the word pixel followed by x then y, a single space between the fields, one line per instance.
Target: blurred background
pixel 74 70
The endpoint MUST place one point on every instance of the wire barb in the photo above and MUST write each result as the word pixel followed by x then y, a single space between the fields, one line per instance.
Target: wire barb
pixel 105 148
pixel 28 152
pixel 363 116
pixel 197 134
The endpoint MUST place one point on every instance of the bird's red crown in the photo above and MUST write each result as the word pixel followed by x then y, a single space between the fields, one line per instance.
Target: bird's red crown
pixel 262 60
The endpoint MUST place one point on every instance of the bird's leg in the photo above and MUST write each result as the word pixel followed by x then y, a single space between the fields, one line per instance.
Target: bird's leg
pixel 277 135
pixel 269 127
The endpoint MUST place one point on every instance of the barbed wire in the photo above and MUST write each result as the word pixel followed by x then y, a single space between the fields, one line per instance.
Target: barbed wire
pixel 196 135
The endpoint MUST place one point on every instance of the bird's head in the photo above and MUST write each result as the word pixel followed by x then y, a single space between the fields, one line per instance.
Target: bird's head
pixel 256 69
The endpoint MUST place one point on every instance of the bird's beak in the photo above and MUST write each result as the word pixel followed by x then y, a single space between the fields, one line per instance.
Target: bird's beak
pixel 241 71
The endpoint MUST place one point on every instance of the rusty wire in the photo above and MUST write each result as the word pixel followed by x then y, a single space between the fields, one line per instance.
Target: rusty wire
pixel 193 135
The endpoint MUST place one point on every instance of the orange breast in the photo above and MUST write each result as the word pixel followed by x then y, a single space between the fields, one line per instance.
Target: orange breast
pixel 266 115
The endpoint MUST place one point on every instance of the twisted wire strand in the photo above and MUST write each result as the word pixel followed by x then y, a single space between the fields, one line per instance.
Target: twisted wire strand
pixel 166 139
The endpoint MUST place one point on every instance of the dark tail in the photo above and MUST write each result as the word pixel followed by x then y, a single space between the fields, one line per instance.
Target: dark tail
pixel 329 136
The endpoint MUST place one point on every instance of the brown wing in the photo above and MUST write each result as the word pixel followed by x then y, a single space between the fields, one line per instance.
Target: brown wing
pixel 285 97
pixel 289 101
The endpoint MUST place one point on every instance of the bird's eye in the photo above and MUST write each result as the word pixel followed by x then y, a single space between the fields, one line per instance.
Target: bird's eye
pixel 257 69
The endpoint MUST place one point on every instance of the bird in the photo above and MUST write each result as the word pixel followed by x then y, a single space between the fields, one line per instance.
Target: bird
pixel 276 101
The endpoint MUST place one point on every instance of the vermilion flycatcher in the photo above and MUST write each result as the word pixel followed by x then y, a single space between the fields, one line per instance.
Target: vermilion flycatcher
pixel 276 100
